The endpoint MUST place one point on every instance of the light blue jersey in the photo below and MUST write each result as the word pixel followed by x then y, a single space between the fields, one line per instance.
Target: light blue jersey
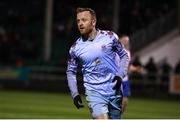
pixel 125 81
pixel 97 58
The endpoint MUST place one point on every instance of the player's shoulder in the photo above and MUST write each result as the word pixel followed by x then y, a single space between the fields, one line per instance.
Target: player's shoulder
pixel 73 46
pixel 76 43
pixel 109 33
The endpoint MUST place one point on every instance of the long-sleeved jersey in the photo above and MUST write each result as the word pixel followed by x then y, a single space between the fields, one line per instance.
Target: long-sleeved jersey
pixel 125 81
pixel 97 58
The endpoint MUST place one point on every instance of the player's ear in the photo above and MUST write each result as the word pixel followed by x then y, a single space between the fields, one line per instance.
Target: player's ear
pixel 93 22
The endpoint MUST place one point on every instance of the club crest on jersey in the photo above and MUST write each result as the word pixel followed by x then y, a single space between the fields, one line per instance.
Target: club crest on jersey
pixel 97 61
pixel 103 47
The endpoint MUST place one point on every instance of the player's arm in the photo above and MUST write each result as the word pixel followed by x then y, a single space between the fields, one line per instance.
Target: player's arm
pixel 123 63
pixel 126 88
pixel 126 94
pixel 72 81
pixel 124 58
pixel 133 68
pixel 124 103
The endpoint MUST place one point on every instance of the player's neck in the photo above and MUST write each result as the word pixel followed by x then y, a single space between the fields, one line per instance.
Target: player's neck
pixel 91 36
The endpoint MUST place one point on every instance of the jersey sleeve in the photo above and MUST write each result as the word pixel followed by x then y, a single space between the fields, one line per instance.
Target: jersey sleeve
pixel 124 58
pixel 71 73
pixel 126 88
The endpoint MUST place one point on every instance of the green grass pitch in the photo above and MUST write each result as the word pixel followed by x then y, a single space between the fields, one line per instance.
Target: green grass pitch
pixel 27 105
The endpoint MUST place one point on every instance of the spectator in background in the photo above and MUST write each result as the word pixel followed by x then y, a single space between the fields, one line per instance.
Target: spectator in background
pixel 136 68
pixel 165 71
pixel 165 75
pixel 151 69
pixel 136 62
pixel 177 68
pixel 136 65
pixel 22 70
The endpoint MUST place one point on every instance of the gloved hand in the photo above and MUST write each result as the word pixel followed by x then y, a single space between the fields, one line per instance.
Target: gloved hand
pixel 118 83
pixel 78 102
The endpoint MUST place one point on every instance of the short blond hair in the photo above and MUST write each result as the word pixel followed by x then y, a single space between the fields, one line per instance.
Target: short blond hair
pixel 91 11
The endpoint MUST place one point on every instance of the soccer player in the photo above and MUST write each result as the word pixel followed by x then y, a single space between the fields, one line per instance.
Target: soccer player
pixel 96 50
pixel 124 40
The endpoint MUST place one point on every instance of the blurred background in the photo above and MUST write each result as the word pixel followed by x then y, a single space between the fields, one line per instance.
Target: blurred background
pixel 35 37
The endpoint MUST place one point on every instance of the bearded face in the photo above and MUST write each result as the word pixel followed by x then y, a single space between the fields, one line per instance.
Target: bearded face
pixel 85 22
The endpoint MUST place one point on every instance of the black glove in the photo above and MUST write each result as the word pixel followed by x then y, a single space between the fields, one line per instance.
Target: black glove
pixel 118 83
pixel 78 102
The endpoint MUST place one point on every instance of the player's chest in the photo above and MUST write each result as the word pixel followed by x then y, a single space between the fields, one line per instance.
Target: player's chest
pixel 90 51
